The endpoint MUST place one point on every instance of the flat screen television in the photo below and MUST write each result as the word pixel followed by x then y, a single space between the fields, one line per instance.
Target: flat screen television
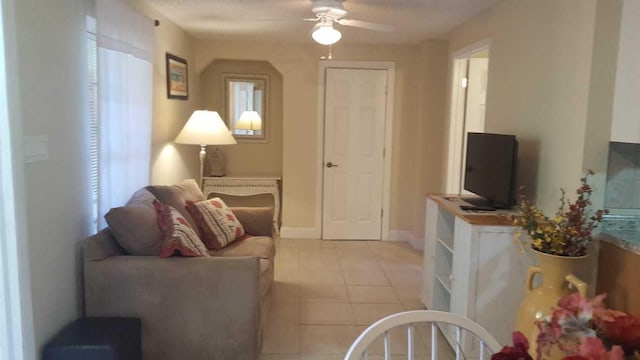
pixel 490 170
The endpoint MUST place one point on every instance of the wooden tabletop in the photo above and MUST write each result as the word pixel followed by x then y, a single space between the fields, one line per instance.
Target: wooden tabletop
pixel 489 218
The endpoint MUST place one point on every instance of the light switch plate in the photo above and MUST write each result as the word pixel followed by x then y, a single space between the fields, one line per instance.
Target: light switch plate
pixel 36 148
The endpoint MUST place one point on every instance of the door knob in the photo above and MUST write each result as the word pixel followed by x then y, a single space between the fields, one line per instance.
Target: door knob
pixel 330 164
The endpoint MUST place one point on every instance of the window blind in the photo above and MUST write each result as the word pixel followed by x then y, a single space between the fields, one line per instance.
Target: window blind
pixel 92 117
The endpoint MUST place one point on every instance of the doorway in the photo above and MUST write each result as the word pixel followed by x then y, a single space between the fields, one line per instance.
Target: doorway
pixel 355 151
pixel 467 112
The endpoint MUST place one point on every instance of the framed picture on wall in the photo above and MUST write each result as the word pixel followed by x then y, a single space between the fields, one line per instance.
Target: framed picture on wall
pixel 177 78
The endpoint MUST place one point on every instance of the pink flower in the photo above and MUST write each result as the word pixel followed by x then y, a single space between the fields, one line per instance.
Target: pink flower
pixel 519 350
pixel 623 330
pixel 572 321
pixel 581 307
pixel 574 327
pixel 591 348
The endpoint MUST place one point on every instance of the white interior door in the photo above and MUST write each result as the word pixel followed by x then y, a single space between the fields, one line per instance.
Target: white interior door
pixel 355 113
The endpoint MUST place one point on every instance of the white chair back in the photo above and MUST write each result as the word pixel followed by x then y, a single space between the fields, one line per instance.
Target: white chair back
pixel 409 319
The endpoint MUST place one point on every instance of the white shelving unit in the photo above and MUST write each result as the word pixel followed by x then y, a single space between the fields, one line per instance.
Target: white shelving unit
pixel 473 267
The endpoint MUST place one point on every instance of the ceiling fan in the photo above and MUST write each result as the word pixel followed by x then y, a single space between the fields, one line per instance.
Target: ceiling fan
pixel 330 12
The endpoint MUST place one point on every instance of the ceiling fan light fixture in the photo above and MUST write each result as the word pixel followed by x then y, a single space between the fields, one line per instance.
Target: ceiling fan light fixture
pixel 325 34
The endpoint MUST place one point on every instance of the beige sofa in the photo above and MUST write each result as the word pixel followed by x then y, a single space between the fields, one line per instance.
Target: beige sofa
pixel 191 308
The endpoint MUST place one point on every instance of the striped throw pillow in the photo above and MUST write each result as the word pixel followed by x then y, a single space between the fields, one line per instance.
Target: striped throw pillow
pixel 216 222
pixel 178 236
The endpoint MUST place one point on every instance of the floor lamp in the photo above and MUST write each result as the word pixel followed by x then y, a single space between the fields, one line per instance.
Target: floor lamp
pixel 205 128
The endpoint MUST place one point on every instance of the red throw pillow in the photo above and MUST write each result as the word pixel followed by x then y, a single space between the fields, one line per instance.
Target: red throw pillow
pixel 178 236
pixel 217 223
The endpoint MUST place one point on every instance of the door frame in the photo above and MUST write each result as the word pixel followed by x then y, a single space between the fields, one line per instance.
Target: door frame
pixel 17 339
pixel 457 109
pixel 390 67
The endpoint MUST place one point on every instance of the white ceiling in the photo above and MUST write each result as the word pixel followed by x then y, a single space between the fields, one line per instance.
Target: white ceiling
pixel 414 20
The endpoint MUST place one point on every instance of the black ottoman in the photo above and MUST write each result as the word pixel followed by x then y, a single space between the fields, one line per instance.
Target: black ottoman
pixel 96 338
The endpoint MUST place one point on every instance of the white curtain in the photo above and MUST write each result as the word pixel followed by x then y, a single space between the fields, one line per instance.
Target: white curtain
pixel 125 69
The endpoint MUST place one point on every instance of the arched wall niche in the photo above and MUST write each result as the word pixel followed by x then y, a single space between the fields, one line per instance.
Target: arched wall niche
pixel 246 158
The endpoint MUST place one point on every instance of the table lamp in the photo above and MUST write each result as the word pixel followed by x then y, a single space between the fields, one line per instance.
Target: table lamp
pixel 249 120
pixel 206 128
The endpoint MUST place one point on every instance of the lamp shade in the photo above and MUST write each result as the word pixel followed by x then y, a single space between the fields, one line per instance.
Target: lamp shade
pixel 325 34
pixel 205 128
pixel 249 120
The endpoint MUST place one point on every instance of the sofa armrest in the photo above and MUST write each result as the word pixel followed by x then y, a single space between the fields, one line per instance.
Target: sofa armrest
pixel 101 246
pixel 256 221
pixel 191 308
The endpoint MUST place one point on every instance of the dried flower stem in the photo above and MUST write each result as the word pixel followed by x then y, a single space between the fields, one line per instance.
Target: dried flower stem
pixel 569 232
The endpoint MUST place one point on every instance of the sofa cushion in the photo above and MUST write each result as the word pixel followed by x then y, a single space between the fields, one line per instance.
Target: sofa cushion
pixel 262 247
pixel 178 235
pixel 217 224
pixel 177 196
pixel 135 225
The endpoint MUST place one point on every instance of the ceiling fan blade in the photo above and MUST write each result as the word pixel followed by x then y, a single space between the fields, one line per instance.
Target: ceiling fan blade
pixel 366 25
pixel 289 19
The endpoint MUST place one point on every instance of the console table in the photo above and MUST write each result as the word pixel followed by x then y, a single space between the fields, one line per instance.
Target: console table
pixel 246 186
pixel 472 267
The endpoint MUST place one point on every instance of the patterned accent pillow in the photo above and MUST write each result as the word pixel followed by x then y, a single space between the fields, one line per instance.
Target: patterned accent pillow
pixel 217 223
pixel 177 196
pixel 178 236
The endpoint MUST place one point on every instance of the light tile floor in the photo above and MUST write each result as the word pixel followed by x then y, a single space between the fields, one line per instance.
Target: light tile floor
pixel 325 293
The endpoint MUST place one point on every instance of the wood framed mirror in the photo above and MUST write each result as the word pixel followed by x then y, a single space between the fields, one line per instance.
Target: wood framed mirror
pixel 244 93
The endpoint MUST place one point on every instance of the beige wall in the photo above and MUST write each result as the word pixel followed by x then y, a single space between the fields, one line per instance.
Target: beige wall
pixel 293 62
pixel 430 139
pixel 474 30
pixel 47 69
pixel 170 162
pixel 298 64
pixel 47 51
pixel 540 75
pixel 247 158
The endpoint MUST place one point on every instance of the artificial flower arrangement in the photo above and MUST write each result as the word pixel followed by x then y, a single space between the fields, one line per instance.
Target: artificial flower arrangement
pixel 569 232
pixel 582 329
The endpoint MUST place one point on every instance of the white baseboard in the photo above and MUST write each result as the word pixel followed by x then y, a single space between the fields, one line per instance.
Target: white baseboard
pixel 406 236
pixel 416 243
pixel 314 233
pixel 399 235
pixel 299 233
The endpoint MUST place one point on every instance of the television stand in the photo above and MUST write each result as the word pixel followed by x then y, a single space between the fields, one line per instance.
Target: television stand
pixel 478 202
pixel 470 267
